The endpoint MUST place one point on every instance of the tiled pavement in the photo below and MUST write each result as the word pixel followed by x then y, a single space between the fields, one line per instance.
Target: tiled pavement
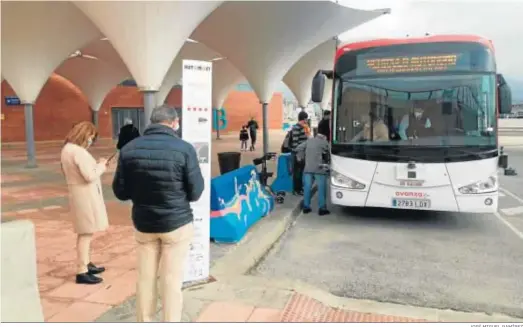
pixel 62 299
pixel 41 196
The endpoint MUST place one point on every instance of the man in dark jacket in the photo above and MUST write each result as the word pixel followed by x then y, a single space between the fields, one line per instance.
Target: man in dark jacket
pixel 298 136
pixel 325 124
pixel 161 174
pixel 127 133
pixel 252 126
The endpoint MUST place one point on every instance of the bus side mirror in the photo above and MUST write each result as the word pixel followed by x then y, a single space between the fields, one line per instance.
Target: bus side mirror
pixel 318 86
pixel 504 96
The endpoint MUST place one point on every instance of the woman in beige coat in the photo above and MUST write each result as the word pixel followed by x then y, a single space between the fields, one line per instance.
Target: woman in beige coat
pixel 82 174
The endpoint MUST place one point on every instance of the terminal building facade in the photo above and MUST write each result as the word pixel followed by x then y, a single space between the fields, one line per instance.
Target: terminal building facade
pixel 61 104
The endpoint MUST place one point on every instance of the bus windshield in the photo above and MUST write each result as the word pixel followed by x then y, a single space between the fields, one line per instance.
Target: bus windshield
pixel 457 109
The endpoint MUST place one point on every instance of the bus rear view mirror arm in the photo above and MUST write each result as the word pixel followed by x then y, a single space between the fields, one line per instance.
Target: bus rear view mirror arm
pixel 328 73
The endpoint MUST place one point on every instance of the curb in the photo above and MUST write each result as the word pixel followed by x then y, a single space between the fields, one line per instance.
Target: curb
pixel 257 244
pixel 369 306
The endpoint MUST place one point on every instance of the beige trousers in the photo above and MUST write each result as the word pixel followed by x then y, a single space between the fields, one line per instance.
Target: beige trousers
pixel 161 254
pixel 83 249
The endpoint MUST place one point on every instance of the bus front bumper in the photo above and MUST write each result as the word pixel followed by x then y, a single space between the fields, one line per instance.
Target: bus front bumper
pixel 473 203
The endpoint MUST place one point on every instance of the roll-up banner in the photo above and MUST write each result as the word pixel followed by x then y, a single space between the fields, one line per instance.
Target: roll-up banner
pixel 197 130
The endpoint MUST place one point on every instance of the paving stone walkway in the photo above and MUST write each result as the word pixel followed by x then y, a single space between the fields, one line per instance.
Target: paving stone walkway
pixel 299 308
pixel 40 195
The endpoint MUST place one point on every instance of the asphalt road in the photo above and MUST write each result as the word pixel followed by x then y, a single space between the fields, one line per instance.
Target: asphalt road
pixel 465 262
pixel 511 203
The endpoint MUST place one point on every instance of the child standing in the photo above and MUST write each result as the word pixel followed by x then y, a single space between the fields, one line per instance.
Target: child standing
pixel 244 137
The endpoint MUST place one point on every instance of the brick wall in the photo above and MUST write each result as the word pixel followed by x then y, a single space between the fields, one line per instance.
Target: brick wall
pixel 240 106
pixel 61 104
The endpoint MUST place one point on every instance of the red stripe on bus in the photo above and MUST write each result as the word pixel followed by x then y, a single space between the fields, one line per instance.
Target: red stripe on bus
pixel 426 39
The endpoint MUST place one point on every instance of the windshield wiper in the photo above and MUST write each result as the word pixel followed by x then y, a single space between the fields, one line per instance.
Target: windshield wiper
pixel 414 154
pixel 465 153
pixel 374 150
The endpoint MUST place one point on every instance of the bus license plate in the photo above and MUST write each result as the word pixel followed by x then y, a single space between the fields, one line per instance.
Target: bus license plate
pixel 411 203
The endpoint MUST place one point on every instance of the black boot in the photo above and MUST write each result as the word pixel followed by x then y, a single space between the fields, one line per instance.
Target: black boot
pixel 306 210
pixel 87 278
pixel 93 270
pixel 323 212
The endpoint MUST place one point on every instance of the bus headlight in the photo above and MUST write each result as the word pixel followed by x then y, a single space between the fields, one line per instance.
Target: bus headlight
pixel 486 186
pixel 339 180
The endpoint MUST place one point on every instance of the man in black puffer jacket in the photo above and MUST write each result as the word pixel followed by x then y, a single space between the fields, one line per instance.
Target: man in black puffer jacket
pixel 161 174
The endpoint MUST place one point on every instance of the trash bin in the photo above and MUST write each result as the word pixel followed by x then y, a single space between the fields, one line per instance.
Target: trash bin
pixel 229 161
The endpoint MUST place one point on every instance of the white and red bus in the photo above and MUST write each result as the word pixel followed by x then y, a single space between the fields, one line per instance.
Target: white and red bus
pixel 414 123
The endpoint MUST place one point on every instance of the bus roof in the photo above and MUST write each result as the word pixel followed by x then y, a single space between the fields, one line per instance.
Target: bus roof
pixel 426 39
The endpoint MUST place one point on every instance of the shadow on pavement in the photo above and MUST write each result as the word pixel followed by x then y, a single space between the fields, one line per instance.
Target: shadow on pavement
pixel 413 219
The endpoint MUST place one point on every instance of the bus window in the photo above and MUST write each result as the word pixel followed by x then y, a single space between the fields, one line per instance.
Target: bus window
pixel 417 110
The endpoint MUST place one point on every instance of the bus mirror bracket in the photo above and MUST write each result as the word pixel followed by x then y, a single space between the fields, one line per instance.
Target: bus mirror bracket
pixel 328 73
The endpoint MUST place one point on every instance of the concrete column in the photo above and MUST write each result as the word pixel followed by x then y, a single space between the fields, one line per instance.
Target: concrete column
pixel 265 115
pixel 94 117
pixel 20 295
pixel 29 136
pixel 149 102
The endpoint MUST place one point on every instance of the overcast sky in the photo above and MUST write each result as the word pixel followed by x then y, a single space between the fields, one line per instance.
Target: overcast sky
pixel 498 20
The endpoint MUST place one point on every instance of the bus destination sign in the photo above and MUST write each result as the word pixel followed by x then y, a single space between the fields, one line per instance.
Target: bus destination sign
pixel 411 64
pixel 416 58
